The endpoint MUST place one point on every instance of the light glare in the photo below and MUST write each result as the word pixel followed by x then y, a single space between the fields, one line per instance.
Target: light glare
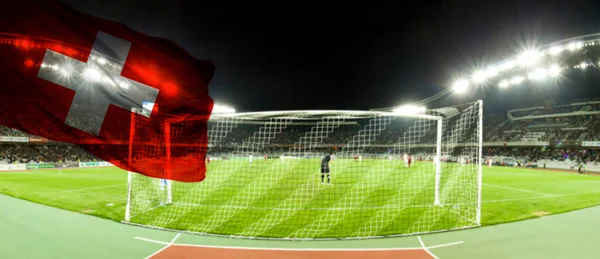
pixel 410 109
pixel 538 74
pixel 479 77
pixel 556 50
pixel 528 58
pixel 219 108
pixel 516 80
pixel 554 70
pixel 92 74
pixel 504 84
pixel 460 86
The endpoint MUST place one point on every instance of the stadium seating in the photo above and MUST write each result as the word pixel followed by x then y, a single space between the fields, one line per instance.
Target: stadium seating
pixel 530 133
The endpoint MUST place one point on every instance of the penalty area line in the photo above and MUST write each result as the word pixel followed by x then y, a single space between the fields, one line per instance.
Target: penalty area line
pixel 159 242
pixel 172 243
pixel 517 189
pixel 425 248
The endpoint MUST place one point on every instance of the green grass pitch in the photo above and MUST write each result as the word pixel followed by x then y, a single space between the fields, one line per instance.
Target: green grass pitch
pixel 240 200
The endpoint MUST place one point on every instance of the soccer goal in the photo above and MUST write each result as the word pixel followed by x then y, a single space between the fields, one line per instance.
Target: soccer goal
pixel 390 174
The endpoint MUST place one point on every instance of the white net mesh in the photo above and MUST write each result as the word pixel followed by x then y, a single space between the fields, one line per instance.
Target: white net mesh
pixel 389 175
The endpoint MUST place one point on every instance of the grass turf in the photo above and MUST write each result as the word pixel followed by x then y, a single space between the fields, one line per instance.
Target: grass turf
pixel 370 198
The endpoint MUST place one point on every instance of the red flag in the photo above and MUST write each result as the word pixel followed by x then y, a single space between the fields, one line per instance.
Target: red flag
pixel 138 102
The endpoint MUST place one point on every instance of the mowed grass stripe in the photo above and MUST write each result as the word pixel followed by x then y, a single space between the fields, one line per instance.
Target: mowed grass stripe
pixel 300 198
pixel 397 204
pixel 389 184
pixel 352 197
pixel 299 170
pixel 245 197
pixel 196 193
pixel 43 185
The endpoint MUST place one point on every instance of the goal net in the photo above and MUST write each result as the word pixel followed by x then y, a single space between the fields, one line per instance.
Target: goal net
pixel 390 174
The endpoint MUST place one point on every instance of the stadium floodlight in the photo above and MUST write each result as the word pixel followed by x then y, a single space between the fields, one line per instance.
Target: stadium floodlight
pixel 575 46
pixel 508 65
pixel 410 109
pixel 516 80
pixel 67 70
pixel 538 74
pixel 554 70
pixel 556 50
pixel 460 86
pixel 101 60
pixel 479 77
pixel 220 109
pixel 491 71
pixel 92 74
pixel 504 84
pixel 528 58
pixel 583 65
pixel 124 85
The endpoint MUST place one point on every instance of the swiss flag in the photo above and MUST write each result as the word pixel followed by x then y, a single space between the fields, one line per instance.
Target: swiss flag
pixel 138 102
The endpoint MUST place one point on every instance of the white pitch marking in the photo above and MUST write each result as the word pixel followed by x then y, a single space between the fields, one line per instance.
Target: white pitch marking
pixel 93 188
pixel 425 248
pixel 517 189
pixel 156 241
pixel 297 249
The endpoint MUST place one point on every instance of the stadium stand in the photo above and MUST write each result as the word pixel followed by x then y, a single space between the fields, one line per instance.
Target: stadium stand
pixel 551 132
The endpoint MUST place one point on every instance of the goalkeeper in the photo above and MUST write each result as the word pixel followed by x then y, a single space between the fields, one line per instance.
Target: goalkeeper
pixel 325 168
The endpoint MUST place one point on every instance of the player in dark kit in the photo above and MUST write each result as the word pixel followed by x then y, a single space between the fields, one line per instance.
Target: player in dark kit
pixel 325 168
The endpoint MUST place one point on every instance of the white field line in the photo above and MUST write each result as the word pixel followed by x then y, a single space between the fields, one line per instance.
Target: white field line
pixel 425 248
pixel 380 207
pixel 296 249
pixel 93 188
pixel 517 189
pixel 445 245
pixel 540 197
pixel 164 247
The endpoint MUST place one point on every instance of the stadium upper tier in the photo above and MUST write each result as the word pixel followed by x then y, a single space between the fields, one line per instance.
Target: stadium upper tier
pixel 535 126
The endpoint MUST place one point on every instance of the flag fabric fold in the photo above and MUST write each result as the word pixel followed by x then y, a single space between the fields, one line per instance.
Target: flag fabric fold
pixel 138 102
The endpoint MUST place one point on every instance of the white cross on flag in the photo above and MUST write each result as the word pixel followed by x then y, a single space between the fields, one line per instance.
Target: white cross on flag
pixel 138 102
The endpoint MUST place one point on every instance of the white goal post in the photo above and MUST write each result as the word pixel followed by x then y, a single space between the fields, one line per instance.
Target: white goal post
pixel 393 174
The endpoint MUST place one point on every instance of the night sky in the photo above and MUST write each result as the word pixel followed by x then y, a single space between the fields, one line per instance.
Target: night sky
pixel 280 58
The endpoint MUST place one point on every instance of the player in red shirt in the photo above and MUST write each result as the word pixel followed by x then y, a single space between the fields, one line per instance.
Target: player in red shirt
pixel 207 160
pixel 355 158
pixel 265 157
pixel 409 160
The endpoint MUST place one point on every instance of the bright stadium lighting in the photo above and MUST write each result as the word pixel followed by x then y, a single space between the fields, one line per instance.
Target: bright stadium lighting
pixel 410 109
pixel 554 70
pixel 92 74
pixel 583 65
pixel 538 74
pixel 508 65
pixel 479 76
pixel 504 84
pixel 460 86
pixel 528 58
pixel 219 108
pixel 575 46
pixel 516 80
pixel 67 70
pixel 556 50
pixel 101 60
pixel 124 85
pixel 491 71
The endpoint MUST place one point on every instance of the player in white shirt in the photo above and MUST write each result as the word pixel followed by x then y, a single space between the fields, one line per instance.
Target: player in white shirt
pixel 359 158
pixel 250 160
pixel 405 157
